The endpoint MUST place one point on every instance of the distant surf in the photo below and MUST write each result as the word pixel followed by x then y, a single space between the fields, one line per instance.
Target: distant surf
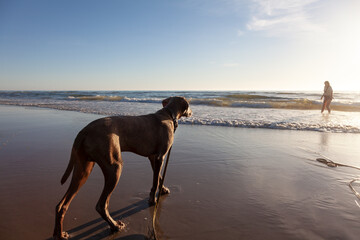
pixel 267 109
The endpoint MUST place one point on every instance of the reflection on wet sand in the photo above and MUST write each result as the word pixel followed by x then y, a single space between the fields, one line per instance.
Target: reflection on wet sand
pixel 226 183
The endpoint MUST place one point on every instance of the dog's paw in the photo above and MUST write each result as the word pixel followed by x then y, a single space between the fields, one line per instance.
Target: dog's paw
pixel 64 236
pixel 118 227
pixel 165 191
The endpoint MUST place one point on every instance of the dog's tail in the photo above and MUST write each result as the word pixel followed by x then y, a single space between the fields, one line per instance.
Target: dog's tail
pixel 74 155
pixel 69 167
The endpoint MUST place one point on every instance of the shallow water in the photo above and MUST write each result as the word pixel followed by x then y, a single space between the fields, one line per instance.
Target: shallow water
pixel 271 110
pixel 265 184
pixel 226 183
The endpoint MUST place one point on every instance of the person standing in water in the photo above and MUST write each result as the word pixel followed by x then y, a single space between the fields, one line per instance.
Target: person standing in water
pixel 328 97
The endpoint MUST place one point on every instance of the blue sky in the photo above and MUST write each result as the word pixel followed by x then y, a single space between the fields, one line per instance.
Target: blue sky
pixel 179 45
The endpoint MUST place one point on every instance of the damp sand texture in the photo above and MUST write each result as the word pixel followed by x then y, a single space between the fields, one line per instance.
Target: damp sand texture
pixel 226 183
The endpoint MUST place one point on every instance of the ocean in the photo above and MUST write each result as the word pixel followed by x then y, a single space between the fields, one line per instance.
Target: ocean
pixel 244 109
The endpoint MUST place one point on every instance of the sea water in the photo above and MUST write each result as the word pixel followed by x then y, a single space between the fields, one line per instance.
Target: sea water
pixel 245 109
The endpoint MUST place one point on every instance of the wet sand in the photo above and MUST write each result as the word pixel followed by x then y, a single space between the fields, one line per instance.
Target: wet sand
pixel 226 183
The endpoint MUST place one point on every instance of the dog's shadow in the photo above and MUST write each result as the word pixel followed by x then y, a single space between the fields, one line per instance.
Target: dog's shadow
pixel 99 224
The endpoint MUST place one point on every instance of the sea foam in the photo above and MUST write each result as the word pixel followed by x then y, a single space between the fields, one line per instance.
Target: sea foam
pixel 271 110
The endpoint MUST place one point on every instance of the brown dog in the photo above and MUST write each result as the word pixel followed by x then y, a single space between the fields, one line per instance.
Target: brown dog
pixel 102 142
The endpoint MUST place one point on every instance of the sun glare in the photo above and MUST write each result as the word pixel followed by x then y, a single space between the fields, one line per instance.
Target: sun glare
pixel 347 52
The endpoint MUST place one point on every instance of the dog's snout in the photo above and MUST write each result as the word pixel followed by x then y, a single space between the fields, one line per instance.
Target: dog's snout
pixel 188 112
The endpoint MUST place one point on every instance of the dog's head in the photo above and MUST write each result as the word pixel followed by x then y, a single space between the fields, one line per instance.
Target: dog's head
pixel 179 104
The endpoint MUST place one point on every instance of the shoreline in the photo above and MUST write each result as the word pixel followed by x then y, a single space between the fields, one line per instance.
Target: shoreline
pixel 225 183
pixel 312 120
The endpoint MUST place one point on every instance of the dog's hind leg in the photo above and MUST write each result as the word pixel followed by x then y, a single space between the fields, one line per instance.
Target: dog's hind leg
pixel 82 170
pixel 112 174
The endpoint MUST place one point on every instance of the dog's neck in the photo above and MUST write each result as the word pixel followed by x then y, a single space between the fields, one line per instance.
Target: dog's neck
pixel 173 117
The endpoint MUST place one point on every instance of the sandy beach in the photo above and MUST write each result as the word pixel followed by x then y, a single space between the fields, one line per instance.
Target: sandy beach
pixel 225 182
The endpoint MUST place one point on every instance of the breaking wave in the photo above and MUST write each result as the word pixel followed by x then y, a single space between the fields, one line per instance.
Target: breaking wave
pixel 318 127
pixel 271 110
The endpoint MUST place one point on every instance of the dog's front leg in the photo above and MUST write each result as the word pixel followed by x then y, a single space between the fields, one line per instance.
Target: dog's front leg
pixel 156 163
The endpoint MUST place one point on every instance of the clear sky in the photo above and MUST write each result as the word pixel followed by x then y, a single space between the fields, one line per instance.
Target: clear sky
pixel 179 45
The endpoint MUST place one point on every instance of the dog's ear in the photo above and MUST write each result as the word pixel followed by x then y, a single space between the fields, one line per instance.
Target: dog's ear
pixel 166 101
